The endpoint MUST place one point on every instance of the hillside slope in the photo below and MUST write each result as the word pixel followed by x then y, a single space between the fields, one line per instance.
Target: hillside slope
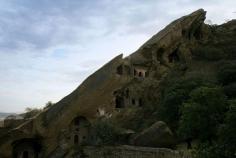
pixel 129 89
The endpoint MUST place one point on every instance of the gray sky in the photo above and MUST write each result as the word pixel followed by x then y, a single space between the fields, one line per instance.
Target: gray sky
pixel 47 48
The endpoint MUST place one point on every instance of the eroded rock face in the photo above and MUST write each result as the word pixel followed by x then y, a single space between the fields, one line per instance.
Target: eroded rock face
pixel 158 135
pixel 121 83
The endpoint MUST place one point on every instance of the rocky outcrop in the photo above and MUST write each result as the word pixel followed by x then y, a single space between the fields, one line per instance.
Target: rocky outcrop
pixel 158 135
pixel 123 82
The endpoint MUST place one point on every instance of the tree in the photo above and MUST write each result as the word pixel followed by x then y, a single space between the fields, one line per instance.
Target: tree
pixel 228 131
pixel 173 97
pixel 227 73
pixel 48 105
pixel 31 112
pixel 105 133
pixel 202 114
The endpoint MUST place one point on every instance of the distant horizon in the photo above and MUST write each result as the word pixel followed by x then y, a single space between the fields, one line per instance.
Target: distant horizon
pixel 47 49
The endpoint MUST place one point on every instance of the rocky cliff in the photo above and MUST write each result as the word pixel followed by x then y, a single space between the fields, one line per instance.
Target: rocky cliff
pixel 124 87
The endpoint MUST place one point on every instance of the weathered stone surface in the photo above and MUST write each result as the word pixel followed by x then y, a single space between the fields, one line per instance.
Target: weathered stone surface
pixel 158 135
pixel 132 151
pixel 141 71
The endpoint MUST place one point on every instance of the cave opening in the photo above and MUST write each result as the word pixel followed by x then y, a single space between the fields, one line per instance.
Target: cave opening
pixel 140 102
pixel 174 57
pixel 159 53
pixel 119 70
pixel 120 102
pixel 25 154
pixel 26 148
pixel 76 139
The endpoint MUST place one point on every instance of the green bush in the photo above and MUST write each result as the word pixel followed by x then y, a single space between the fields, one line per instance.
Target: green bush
pixel 31 112
pixel 225 145
pixel 230 90
pixel 173 96
pixel 227 72
pixel 207 150
pixel 202 114
pixel 227 133
pixel 208 53
pixel 104 133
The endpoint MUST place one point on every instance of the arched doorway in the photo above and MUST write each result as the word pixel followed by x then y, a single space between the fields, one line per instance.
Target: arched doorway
pixel 79 130
pixel 25 154
pixel 140 74
pixel 26 148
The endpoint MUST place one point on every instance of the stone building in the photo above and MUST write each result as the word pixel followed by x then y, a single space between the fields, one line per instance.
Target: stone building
pixel 26 148
pixel 79 129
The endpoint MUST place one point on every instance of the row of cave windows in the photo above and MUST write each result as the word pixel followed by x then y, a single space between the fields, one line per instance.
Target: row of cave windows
pixel 120 102
pixel 172 57
pixel 122 70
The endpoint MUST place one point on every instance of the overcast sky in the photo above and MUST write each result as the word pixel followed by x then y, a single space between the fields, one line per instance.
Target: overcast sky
pixel 48 47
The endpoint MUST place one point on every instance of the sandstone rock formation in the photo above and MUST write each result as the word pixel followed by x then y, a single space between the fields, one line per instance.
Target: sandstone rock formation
pixel 158 135
pixel 120 84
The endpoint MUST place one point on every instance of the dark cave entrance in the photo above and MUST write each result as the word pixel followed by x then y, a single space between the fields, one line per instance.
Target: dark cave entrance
pixel 140 74
pixel 140 102
pixel 160 53
pixel 79 128
pixel 173 57
pixel 76 139
pixel 120 103
pixel 119 70
pixel 133 101
pixel 25 154
pixel 26 148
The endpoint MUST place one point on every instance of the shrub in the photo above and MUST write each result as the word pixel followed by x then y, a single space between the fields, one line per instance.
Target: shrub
pixel 227 132
pixel 207 150
pixel 31 112
pixel 230 90
pixel 174 95
pixel 202 114
pixel 227 72
pixel 105 133
pixel 208 53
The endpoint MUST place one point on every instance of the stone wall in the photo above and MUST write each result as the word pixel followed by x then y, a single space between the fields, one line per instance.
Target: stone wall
pixel 133 152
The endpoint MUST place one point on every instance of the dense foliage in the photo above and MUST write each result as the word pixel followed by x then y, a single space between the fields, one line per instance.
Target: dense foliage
pixel 209 53
pixel 197 110
pixel 202 114
pixel 176 93
pixel 105 133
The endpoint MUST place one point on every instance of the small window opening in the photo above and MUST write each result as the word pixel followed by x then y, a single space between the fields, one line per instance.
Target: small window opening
pixel 127 93
pixel 135 72
pixel 140 102
pixel 160 53
pixel 119 102
pixel 173 57
pixel 140 74
pixel 76 122
pixel 76 139
pixel 133 101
